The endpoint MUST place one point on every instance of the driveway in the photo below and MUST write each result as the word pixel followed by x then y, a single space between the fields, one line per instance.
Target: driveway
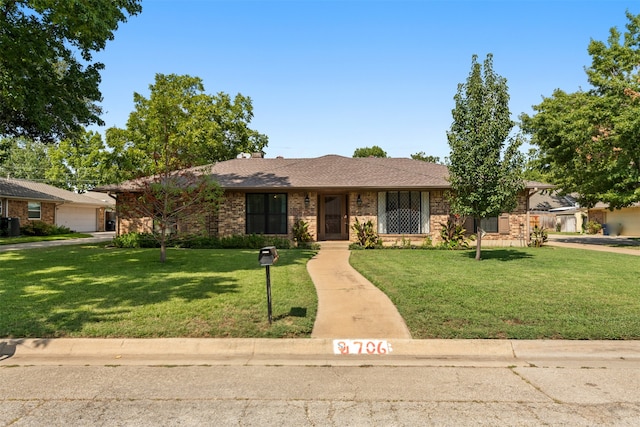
pixel 620 244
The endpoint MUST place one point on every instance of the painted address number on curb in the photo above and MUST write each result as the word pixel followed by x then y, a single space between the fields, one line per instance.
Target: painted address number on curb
pixel 361 347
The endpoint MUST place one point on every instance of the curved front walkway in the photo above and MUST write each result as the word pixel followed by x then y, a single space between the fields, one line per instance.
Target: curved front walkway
pixel 349 306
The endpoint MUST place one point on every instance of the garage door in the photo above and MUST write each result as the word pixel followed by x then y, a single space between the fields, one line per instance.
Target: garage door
pixel 76 218
pixel 629 218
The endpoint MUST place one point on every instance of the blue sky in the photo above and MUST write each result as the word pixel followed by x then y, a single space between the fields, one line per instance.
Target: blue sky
pixel 327 77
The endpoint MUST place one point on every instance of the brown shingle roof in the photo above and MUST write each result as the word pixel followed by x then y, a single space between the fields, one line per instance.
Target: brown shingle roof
pixel 326 172
pixel 329 171
pixel 30 190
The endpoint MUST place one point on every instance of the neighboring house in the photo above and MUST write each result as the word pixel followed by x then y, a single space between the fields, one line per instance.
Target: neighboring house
pixel 33 201
pixel 404 198
pixel 551 210
pixel 623 222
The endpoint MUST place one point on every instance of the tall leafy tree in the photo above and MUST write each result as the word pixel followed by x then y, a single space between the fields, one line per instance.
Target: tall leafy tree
pixel 79 163
pixel 180 118
pixel 589 140
pixel 25 159
pixel 373 151
pixel 48 79
pixel 5 148
pixel 485 175
pixel 169 138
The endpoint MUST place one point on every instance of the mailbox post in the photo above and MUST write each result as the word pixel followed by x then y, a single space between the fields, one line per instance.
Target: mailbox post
pixel 267 257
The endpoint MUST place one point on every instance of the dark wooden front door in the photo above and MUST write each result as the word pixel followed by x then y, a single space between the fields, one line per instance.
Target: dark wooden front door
pixel 334 217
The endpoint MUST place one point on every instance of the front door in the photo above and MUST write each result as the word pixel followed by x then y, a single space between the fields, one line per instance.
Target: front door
pixel 335 217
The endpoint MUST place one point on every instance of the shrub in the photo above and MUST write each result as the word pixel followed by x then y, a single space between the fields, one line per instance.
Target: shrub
pixel 252 241
pixel 593 227
pixel 366 234
pixel 40 228
pixel 453 235
pixel 538 237
pixel 136 240
pixel 301 232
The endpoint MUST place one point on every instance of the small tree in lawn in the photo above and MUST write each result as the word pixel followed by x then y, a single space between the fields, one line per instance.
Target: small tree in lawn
pixel 170 198
pixel 485 176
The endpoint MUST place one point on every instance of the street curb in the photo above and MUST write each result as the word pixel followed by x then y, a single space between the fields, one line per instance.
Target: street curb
pixel 215 351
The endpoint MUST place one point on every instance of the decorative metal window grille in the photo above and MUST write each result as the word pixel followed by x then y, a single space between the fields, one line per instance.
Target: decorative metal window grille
pixel 403 212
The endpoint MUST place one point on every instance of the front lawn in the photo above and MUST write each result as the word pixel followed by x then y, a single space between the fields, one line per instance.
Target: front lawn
pixel 524 293
pixel 29 239
pixel 93 291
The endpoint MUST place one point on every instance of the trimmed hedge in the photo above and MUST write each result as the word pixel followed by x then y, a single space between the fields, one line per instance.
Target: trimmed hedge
pixel 252 241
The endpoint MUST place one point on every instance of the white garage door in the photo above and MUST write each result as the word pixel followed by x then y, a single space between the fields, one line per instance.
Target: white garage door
pixel 76 218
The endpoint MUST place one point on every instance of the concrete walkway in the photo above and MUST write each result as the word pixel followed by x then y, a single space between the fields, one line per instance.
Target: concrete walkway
pixel 349 306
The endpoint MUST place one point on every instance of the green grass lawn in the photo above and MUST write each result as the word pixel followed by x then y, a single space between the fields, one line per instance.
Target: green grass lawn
pixel 523 293
pixel 93 291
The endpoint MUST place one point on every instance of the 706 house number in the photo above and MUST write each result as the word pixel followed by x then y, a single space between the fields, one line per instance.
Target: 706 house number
pixel 361 347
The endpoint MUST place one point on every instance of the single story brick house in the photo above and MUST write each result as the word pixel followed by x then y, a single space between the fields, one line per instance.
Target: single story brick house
pixel 35 201
pixel 404 198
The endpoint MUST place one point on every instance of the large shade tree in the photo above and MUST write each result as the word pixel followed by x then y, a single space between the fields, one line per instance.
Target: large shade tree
pixel 169 138
pixel 485 166
pixel 48 78
pixel 589 141
pixel 79 163
pixel 25 159
pixel 178 116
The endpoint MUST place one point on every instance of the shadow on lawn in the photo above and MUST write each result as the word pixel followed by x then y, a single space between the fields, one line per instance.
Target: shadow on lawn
pixel 504 254
pixel 58 292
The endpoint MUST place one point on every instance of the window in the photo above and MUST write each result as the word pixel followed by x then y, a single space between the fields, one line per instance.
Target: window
pixel 267 213
pixel 403 212
pixel 490 224
pixel 34 210
pixel 493 224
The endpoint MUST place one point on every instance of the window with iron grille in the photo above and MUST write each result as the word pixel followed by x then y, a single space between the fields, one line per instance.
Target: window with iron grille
pixel 403 212
pixel 267 213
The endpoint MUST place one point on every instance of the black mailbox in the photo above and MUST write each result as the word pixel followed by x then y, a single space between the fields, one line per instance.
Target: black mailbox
pixel 268 255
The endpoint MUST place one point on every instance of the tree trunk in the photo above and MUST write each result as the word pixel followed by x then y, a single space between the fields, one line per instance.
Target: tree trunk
pixel 163 252
pixel 163 244
pixel 479 243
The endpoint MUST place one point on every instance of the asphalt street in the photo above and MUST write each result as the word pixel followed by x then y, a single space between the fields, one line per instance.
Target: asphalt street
pixel 182 382
pixel 319 395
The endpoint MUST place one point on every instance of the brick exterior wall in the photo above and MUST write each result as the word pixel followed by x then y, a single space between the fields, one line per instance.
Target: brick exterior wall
pixel 297 210
pixel 600 216
pixel 231 218
pixel 232 215
pixel 439 211
pixel 20 209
